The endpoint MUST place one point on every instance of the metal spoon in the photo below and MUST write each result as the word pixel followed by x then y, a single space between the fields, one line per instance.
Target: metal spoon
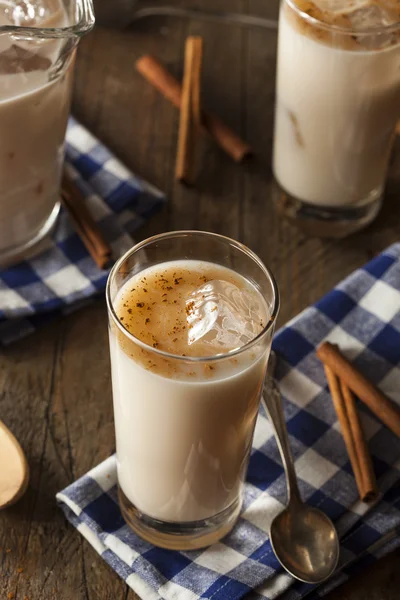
pixel 303 538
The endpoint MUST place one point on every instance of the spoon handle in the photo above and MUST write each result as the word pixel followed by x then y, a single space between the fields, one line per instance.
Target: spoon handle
pixel 272 403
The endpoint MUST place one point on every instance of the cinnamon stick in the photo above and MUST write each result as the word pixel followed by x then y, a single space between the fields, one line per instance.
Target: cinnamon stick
pixel 366 391
pixel 158 76
pixel 369 489
pixel 189 122
pixel 85 225
pixel 196 83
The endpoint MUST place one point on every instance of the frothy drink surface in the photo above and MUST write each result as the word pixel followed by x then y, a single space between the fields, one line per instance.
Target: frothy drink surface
pixel 184 429
pixel 192 309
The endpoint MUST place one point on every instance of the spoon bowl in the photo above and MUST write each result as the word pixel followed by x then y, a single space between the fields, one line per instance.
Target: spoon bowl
pixel 305 543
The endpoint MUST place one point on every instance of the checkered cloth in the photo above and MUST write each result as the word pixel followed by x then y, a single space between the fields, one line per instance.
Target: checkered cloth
pixel 64 276
pixel 362 315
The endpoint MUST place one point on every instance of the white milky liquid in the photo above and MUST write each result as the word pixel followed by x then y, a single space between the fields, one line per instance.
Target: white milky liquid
pixel 33 117
pixel 183 433
pixel 336 111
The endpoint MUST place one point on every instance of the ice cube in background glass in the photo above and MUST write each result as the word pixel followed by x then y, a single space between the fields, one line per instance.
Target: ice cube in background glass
pixel 371 16
pixel 224 316
pixel 374 17
pixel 22 58
pixel 18 60
pixel 363 14
pixel 340 6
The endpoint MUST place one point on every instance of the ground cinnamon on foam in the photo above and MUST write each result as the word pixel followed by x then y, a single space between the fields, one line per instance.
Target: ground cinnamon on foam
pixel 153 308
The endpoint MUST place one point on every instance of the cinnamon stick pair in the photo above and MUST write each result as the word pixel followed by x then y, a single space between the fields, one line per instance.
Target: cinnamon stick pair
pixel 344 380
pixel 344 403
pixel 85 225
pixel 158 76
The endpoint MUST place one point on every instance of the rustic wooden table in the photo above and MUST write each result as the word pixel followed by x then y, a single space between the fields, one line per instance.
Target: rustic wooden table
pixel 55 385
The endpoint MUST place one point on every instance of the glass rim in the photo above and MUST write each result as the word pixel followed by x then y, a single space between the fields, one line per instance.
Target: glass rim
pixel 193 359
pixel 382 29
pixel 83 26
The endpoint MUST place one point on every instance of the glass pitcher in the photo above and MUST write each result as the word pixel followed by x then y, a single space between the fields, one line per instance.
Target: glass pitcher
pixel 38 40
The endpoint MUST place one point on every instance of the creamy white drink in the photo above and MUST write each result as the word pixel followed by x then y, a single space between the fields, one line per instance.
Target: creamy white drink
pixel 338 100
pixel 34 107
pixel 184 428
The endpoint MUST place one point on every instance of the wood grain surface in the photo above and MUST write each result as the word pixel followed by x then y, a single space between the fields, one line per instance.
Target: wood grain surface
pixel 55 385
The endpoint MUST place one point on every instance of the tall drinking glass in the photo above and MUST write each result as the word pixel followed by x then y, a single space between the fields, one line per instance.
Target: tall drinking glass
pixel 191 317
pixel 337 104
pixel 38 39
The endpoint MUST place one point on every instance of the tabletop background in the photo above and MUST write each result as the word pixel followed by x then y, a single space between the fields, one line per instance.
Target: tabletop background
pixel 55 385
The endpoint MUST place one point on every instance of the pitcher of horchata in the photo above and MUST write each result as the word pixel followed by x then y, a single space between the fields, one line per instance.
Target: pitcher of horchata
pixel 38 41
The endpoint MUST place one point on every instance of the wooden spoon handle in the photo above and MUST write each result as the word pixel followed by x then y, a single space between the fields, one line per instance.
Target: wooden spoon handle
pixel 14 472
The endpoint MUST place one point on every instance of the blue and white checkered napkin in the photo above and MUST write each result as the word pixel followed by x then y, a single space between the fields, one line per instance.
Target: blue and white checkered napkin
pixel 362 314
pixel 63 276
